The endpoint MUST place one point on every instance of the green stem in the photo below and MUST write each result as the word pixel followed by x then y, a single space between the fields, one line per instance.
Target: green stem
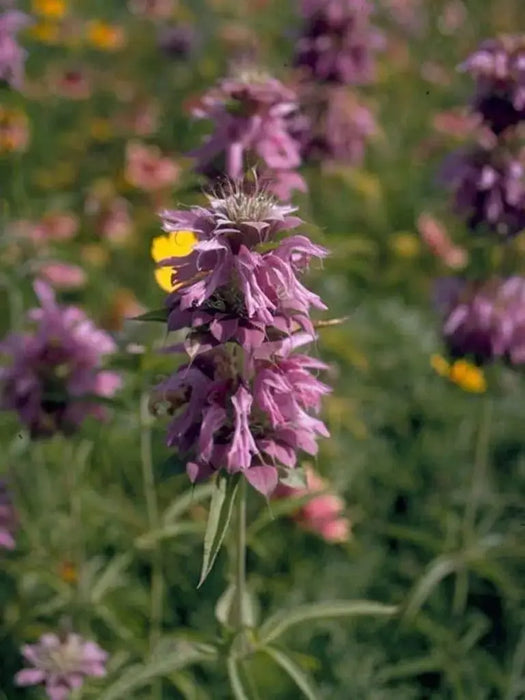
pixel 240 564
pixel 479 478
pixel 152 508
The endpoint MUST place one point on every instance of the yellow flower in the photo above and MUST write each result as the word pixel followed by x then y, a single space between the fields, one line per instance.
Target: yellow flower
pixel 440 365
pixel 101 129
pixel 107 37
pixel 46 32
pixel 405 244
pixel 68 572
pixel 464 374
pixel 468 377
pixel 54 9
pixel 175 244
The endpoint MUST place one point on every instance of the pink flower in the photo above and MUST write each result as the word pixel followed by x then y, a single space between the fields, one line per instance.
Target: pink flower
pixel 61 663
pixel 62 276
pixel 323 513
pixel 8 518
pixel 147 169
pixel 437 239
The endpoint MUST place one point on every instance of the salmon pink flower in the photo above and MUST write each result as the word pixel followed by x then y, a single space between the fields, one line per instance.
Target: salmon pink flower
pixel 8 518
pixel 149 170
pixel 323 513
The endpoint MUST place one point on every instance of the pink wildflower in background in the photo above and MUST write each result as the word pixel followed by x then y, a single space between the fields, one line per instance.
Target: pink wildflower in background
pixel 54 375
pixel 62 275
pixel 61 663
pixel 435 235
pixel 148 169
pixel 12 55
pixel 8 518
pixel 323 513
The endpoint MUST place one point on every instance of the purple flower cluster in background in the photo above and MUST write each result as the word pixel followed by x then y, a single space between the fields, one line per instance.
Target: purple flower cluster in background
pixel 498 66
pixel 337 43
pixel 250 113
pixel 489 188
pixel 333 126
pixel 8 518
pixel 488 179
pixel 54 375
pixel 12 55
pixel 245 401
pixel 61 663
pixel 335 52
pixel 484 320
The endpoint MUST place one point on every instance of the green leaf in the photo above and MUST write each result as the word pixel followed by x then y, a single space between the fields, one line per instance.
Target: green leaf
pixel 280 622
pixel 221 509
pixel 296 673
pixel 140 675
pixel 294 478
pixel 439 569
pixel 153 315
pixel 181 504
pixel 149 539
pixel 225 608
pixel 235 680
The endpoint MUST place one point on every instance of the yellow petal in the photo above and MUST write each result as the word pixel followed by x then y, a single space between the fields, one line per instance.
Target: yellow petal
pixel 175 244
pixel 468 377
pixel 163 276
pixel 440 365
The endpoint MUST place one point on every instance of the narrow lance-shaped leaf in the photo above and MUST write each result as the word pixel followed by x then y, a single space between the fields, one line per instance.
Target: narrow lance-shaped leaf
pixel 296 673
pixel 280 622
pixel 221 508
pixel 139 675
pixel 160 315
pixel 235 680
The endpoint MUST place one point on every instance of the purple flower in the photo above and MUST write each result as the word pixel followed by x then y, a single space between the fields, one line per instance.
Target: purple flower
pixel 254 426
pixel 489 186
pixel 484 320
pixel 240 282
pixel 498 66
pixel 54 376
pixel 337 43
pixel 8 518
pixel 61 664
pixel 12 56
pixel 333 126
pixel 251 128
